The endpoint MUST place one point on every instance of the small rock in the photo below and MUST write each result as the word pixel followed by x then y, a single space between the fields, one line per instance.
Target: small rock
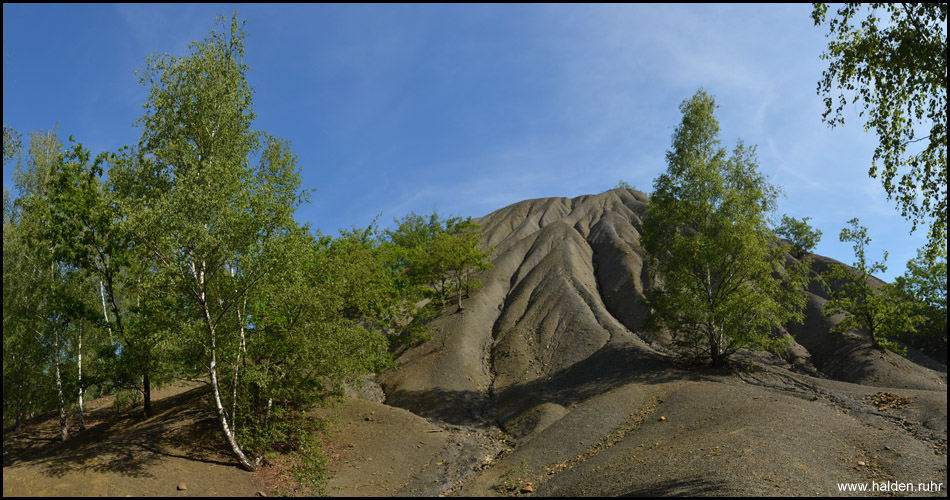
pixel 662 419
pixel 861 464
pixel 527 488
pixel 182 487
pixel 261 494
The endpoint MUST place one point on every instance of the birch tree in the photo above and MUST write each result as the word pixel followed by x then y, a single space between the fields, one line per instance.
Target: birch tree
pixel 208 214
pixel 893 65
pixel 723 282
pixel 880 311
pixel 38 302
pixel 85 224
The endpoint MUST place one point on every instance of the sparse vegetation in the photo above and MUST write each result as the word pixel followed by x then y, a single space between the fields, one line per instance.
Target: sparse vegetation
pixel 882 312
pixel 800 233
pixel 514 479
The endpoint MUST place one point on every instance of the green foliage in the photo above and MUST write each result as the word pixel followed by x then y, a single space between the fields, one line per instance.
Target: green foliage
pixel 802 236
pixel 182 256
pixel 514 478
pixel 622 184
pixel 45 295
pixel 279 317
pixel 895 63
pixel 12 143
pixel 880 310
pixel 217 225
pixel 721 280
pixel 925 283
pixel 31 316
pixel 437 258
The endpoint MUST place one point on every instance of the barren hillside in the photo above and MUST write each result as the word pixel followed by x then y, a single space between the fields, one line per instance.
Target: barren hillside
pixel 548 355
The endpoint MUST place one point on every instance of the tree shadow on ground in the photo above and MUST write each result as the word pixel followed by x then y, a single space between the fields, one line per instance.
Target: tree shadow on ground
pixel 614 365
pixel 692 487
pixel 181 427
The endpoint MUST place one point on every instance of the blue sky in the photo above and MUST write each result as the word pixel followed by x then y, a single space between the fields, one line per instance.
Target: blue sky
pixel 469 108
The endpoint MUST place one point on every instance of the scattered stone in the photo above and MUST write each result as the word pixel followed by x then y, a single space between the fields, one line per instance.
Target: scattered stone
pixel 885 400
pixel 662 419
pixel 182 487
pixel 861 464
pixel 527 488
pixel 261 494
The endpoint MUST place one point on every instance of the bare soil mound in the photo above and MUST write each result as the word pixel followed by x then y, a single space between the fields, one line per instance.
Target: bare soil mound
pixel 548 353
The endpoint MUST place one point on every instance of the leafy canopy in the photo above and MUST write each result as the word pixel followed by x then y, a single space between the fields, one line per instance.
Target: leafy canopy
pixel 437 257
pixel 800 233
pixel 925 282
pixel 895 63
pixel 721 280
pixel 878 309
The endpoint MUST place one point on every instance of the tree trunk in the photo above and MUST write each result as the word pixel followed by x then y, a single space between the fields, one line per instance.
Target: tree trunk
pixel 63 430
pixel 237 364
pixel 222 417
pixel 213 369
pixel 147 394
pixel 102 293
pixel 82 422
pixel 270 404
pixel 716 341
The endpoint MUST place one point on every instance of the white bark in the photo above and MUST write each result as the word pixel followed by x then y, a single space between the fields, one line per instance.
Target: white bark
pixel 237 364
pixel 270 403
pixel 215 387
pixel 82 422
pixel 105 314
pixel 64 432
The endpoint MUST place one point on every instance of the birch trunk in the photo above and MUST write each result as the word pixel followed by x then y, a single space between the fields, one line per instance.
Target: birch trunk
pixel 63 431
pixel 213 369
pixel 102 293
pixel 237 365
pixel 270 403
pixel 82 422
pixel 228 434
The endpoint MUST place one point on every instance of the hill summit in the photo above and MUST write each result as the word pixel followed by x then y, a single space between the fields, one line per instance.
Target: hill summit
pixel 550 352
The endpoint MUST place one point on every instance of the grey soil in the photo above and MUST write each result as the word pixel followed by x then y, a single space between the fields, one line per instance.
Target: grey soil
pixel 544 384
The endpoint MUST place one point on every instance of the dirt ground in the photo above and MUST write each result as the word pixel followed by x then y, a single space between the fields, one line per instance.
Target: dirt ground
pixel 768 432
pixel 123 455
